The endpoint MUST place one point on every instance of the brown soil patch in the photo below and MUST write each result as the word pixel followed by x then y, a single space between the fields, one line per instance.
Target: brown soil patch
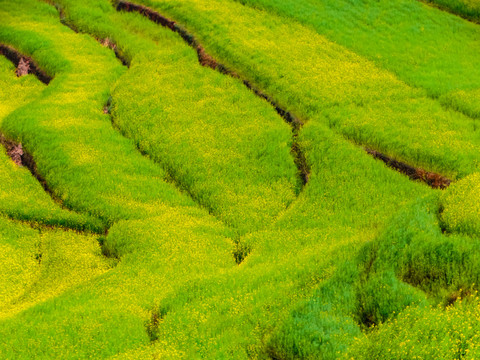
pixel 14 150
pixel 107 42
pixel 147 12
pixel 22 158
pixel 23 67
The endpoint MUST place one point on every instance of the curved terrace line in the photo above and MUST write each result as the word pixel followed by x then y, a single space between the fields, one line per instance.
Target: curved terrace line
pixel 24 64
pixel 106 42
pixel 170 179
pixel 15 151
pixel 106 110
pixel 434 180
pixel 20 157
pixel 207 60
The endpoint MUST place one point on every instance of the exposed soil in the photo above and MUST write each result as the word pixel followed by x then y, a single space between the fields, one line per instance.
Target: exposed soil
pixel 104 42
pixel 25 65
pixel 432 179
pixel 300 161
pixel 207 60
pixel 14 150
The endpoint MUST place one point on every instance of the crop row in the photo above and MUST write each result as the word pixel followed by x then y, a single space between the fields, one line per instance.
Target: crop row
pixel 325 82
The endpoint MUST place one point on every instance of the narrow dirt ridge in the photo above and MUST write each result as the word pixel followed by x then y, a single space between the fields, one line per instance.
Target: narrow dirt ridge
pixel 25 65
pixel 107 42
pixel 21 158
pixel 434 180
pixel 450 11
pixel 208 61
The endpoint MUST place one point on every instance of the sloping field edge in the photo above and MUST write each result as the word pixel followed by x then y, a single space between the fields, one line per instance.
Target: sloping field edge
pixel 15 57
pixel 431 3
pixel 434 180
pixel 22 158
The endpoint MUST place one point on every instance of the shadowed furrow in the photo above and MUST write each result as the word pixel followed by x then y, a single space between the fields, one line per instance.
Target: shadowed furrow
pixel 433 180
pixel 89 166
pixel 29 66
pixel 21 196
pixel 468 10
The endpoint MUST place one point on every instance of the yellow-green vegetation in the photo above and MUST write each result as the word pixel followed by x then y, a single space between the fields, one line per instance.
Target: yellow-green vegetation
pixel 85 161
pixel 416 334
pixel 200 239
pixel 21 196
pixel 222 144
pixel 39 264
pixel 14 91
pixel 461 210
pixel 410 264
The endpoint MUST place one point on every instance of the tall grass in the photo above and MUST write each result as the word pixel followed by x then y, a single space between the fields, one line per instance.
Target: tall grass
pixel 21 196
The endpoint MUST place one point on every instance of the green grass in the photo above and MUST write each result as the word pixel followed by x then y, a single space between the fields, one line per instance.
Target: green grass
pixel 416 334
pixel 16 92
pixel 243 178
pixel 219 142
pixel 211 250
pixel 461 208
pixel 21 196
pixel 411 264
pixel 39 264
pixel 108 315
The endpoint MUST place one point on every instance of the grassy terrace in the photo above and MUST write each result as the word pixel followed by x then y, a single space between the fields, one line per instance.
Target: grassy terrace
pixel 325 82
pixel 167 215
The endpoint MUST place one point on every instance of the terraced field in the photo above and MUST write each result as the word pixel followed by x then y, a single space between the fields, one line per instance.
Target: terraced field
pixel 231 179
